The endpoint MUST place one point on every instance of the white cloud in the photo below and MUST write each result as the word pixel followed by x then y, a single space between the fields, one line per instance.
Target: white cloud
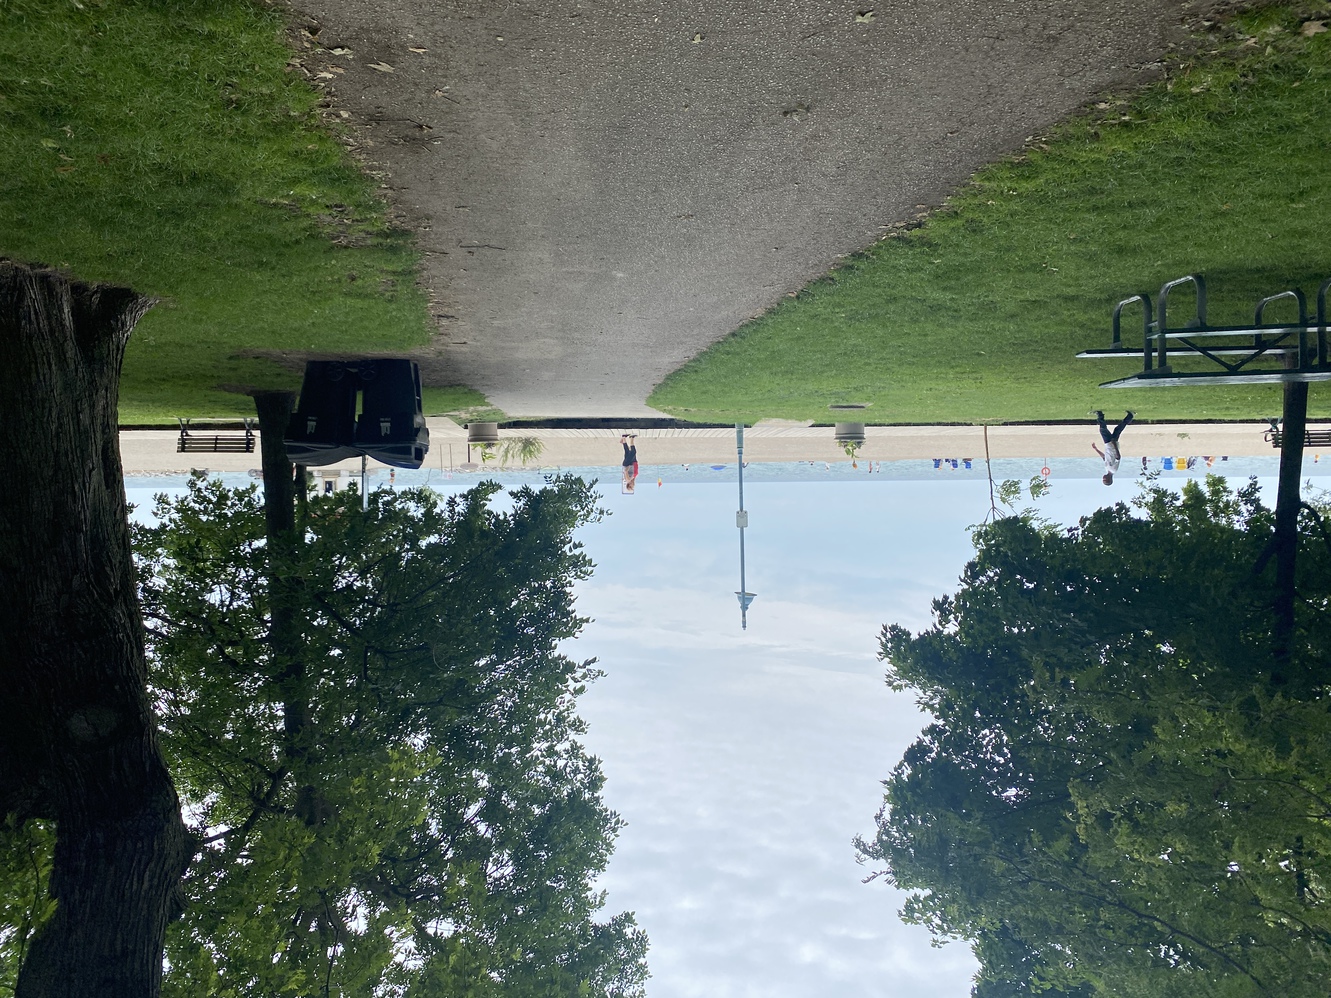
pixel 744 772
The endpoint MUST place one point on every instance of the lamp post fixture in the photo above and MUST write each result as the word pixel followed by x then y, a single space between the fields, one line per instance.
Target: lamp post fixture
pixel 741 521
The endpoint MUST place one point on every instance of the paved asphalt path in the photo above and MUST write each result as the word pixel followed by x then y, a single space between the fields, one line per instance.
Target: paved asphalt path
pixel 604 189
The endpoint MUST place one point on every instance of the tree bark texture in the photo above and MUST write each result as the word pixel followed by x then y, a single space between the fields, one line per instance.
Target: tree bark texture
pixel 78 742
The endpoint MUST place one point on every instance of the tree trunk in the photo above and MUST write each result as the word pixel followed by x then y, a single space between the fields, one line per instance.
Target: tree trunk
pixel 78 740
pixel 1292 426
pixel 285 598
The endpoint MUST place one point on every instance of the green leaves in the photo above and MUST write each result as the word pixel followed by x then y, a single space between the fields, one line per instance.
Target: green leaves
pixel 1114 799
pixel 25 900
pixel 404 808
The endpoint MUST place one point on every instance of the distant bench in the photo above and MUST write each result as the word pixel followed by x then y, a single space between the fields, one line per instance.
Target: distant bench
pixel 1320 437
pixel 215 443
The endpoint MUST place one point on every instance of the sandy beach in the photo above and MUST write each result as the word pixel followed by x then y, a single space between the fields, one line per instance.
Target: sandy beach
pixel 154 451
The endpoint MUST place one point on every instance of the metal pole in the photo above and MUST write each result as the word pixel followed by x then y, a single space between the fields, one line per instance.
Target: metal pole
pixel 742 521
pixel 364 486
pixel 739 451
pixel 1292 428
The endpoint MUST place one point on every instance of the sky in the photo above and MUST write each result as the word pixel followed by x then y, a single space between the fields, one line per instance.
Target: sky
pixel 744 763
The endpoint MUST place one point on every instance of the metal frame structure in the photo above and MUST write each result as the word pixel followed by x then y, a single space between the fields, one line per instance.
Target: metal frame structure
pixel 1236 353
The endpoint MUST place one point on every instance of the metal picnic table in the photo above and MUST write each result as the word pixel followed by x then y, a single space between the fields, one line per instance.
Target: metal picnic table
pixel 1236 354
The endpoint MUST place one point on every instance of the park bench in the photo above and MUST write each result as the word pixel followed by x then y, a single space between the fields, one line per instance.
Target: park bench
pixel 191 440
pixel 1300 349
pixel 1319 436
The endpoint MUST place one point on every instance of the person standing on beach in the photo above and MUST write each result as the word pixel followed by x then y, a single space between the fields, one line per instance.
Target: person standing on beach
pixel 1111 452
pixel 627 441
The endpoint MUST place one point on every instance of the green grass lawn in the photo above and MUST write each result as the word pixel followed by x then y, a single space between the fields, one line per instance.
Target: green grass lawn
pixel 168 147
pixel 1224 168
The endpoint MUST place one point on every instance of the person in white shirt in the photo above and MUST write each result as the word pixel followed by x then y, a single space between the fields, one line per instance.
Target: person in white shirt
pixel 1111 453
pixel 629 441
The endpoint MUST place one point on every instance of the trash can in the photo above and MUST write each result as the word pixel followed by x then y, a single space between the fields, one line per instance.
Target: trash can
pixel 849 433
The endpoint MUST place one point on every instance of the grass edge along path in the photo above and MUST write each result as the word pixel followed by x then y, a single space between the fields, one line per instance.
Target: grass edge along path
pixel 177 149
pixel 976 314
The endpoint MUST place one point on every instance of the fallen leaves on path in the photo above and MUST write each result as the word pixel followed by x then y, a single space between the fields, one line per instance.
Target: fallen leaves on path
pixel 418 51
pixel 340 51
pixel 863 16
pixel 1311 28
pixel 697 39
pixel 382 67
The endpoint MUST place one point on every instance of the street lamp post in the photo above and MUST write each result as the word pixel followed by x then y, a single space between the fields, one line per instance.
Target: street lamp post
pixel 741 521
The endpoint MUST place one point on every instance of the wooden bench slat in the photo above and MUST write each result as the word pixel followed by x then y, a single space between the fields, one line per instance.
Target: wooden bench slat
pixel 213 443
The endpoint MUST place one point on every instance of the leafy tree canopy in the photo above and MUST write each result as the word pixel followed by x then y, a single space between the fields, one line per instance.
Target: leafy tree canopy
pixel 396 802
pixel 1115 798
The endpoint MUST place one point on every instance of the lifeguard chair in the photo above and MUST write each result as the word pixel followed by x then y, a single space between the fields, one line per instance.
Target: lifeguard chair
pixel 390 427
